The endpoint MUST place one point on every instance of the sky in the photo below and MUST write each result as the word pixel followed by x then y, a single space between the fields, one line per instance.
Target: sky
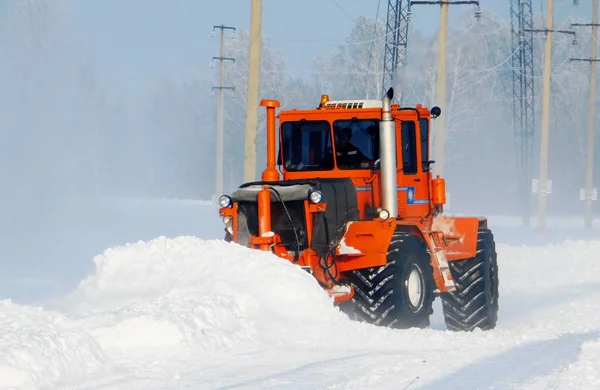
pixel 136 40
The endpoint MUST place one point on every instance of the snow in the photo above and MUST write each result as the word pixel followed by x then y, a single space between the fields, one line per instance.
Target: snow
pixel 185 311
pixel 345 249
pixel 39 347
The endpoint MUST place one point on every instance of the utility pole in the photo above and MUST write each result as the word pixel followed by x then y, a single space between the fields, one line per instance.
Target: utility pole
pixel 220 103
pixel 543 187
pixel 521 19
pixel 590 193
pixel 440 124
pixel 253 90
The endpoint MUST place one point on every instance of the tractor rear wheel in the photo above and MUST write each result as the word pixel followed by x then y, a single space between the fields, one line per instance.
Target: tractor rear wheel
pixel 474 304
pixel 398 294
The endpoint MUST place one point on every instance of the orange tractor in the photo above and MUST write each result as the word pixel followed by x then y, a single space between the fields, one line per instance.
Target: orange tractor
pixel 355 204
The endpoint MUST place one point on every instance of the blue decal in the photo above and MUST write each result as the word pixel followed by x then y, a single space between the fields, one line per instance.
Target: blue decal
pixel 422 201
pixel 410 195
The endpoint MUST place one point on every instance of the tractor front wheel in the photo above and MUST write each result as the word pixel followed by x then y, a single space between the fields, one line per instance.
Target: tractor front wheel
pixel 474 304
pixel 398 294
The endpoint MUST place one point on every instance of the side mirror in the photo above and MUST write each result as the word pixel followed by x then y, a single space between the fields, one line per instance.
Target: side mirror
pixel 435 112
pixel 428 165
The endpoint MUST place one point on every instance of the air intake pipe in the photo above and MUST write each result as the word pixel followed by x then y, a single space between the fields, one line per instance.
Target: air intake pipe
pixel 270 173
pixel 387 137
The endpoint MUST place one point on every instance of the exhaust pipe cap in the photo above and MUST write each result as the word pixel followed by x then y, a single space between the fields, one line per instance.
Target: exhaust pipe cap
pixel 390 93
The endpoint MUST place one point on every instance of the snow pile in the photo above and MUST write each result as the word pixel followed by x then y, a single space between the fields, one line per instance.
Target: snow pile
pixel 38 347
pixel 569 264
pixel 190 293
pixel 186 312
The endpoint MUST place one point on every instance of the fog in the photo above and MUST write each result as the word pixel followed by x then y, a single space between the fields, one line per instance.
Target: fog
pixel 85 154
pixel 77 143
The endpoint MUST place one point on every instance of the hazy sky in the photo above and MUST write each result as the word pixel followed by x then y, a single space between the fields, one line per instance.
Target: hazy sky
pixel 137 40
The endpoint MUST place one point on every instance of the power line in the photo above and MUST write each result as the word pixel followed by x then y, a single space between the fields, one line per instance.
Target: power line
pixel 544 186
pixel 396 42
pixel 589 194
pixel 440 125
pixel 343 10
pixel 220 103
pixel 371 49
pixel 521 19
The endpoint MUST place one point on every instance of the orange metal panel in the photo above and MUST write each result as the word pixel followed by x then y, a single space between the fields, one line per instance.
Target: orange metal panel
pixel 460 235
pixel 365 244
pixel 370 260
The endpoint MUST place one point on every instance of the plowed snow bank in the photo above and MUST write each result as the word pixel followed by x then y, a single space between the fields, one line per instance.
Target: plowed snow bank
pixel 38 347
pixel 201 294
pixel 548 267
pixel 189 312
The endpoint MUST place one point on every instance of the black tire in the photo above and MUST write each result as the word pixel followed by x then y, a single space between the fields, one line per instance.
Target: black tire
pixel 474 304
pixel 381 293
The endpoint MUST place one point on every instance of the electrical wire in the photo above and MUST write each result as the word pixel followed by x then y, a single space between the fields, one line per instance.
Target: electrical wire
pixel 343 10
pixel 371 49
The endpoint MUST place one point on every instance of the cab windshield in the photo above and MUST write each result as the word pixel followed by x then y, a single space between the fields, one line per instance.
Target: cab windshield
pixel 356 143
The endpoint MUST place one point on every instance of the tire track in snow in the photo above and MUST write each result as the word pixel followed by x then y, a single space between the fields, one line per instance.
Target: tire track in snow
pixel 332 372
pixel 537 359
pixel 522 304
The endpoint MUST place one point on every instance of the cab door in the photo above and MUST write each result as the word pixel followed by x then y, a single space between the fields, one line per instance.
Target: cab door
pixel 413 178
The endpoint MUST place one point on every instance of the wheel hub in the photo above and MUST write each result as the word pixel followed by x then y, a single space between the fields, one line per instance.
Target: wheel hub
pixel 414 288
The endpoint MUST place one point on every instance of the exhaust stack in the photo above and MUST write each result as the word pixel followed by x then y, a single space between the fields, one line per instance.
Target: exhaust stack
pixel 387 137
pixel 270 173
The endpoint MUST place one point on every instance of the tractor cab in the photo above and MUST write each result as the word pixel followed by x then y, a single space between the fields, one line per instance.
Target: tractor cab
pixel 340 139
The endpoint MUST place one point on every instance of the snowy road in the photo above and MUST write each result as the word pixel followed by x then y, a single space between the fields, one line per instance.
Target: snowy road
pixel 190 313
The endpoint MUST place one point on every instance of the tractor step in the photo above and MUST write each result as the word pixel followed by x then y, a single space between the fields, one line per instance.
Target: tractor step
pixel 341 293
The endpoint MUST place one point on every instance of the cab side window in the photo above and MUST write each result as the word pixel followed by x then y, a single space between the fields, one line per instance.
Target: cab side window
pixel 409 148
pixel 424 129
pixel 307 146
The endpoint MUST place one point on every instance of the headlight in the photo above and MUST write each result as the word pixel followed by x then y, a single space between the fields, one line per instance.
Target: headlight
pixel 225 201
pixel 384 214
pixel 315 196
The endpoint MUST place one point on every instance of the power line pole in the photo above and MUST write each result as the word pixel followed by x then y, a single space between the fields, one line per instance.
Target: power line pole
pixel 396 42
pixel 544 186
pixel 220 103
pixel 590 193
pixel 521 18
pixel 440 124
pixel 253 89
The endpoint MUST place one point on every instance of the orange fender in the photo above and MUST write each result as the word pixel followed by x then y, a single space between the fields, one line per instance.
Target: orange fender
pixel 460 235
pixel 365 244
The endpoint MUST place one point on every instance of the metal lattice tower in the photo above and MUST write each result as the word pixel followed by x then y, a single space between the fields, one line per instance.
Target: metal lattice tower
pixel 396 41
pixel 521 17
